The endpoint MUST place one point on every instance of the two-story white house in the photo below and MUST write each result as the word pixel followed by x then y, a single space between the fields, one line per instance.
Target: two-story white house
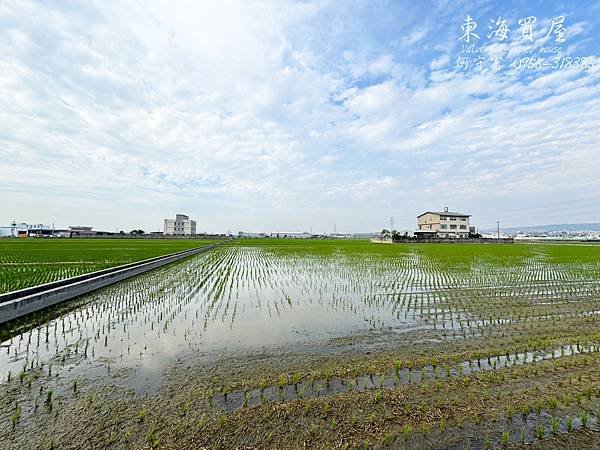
pixel 444 224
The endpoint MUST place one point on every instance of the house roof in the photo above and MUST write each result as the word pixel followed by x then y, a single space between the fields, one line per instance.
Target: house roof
pixel 445 213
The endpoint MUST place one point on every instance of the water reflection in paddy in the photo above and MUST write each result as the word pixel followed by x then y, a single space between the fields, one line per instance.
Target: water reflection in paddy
pixel 231 299
pixel 244 298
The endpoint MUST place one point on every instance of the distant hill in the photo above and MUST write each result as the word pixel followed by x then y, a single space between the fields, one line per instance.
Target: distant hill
pixel 573 227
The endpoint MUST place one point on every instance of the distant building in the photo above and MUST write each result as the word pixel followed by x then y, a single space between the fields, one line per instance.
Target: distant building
pixel 39 230
pixel 444 224
pixel 85 231
pixel 245 234
pixel 292 234
pixel 358 236
pixel 278 234
pixel 24 230
pixel 80 229
pixel 181 225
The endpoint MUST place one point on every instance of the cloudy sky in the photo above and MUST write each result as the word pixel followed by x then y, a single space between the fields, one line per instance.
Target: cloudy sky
pixel 297 115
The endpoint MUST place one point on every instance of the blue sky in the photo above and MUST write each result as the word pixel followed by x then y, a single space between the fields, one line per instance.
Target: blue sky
pixel 294 115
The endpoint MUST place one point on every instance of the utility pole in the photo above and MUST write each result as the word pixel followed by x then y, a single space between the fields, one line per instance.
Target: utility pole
pixel 498 222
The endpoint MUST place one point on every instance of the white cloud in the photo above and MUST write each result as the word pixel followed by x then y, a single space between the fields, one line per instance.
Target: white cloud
pixel 414 37
pixel 440 63
pixel 221 108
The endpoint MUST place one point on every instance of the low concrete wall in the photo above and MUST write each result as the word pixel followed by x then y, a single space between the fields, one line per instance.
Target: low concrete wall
pixel 86 276
pixel 449 241
pixel 52 293
pixel 463 241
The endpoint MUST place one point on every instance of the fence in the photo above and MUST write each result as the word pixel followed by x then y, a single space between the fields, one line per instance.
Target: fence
pixel 408 240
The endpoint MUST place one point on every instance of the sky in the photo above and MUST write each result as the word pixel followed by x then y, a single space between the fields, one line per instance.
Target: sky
pixel 299 115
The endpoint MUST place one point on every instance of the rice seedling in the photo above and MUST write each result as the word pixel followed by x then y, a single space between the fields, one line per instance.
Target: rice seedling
pixel 16 415
pixel 142 415
pixel 487 444
pixel 49 398
pixel 554 426
pixel 569 424
pixel 388 439
pixel 584 417
pixel 185 408
pixel 378 395
pixel 406 432
pixel 510 412
pixel 152 438
pixel 540 431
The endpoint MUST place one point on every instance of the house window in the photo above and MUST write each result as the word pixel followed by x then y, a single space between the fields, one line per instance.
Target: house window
pixel 463 227
pixel 452 218
pixel 464 219
pixel 453 227
pixel 444 226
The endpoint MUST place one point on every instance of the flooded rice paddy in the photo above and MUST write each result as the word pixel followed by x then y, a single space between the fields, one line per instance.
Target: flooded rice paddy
pixel 240 298
pixel 230 300
pixel 515 305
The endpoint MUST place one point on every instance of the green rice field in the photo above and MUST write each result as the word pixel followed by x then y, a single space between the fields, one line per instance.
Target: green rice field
pixel 317 344
pixel 29 262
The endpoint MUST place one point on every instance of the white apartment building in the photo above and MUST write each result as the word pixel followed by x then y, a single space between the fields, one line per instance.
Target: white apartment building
pixel 181 225
pixel 444 224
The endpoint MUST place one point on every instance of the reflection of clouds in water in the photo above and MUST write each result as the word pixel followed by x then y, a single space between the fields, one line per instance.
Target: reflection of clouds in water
pixel 243 298
pixel 237 298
